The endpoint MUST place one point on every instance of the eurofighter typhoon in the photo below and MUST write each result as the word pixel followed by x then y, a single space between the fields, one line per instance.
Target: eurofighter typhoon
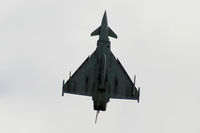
pixel 101 75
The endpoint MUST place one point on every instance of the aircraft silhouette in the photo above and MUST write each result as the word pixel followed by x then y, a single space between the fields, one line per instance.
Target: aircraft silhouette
pixel 101 75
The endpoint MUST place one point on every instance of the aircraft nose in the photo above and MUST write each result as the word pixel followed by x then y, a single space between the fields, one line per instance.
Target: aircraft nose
pixel 104 19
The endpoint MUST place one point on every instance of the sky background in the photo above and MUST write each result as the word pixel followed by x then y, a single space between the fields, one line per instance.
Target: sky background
pixel 41 41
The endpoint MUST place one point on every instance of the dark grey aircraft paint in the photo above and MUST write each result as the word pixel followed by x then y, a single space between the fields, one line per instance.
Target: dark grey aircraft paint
pixel 101 75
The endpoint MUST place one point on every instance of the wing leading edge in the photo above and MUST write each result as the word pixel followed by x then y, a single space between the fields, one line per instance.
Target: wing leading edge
pixel 82 81
pixel 120 84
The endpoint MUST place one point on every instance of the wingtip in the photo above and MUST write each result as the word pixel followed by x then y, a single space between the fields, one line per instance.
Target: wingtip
pixel 138 95
pixel 134 79
pixel 63 88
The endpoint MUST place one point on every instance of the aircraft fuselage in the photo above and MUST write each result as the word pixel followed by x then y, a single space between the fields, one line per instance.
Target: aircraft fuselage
pixel 101 97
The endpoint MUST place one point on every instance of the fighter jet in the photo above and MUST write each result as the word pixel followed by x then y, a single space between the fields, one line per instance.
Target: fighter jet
pixel 102 76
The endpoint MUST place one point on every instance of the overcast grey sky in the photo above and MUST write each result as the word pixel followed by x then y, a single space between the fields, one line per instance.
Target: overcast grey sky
pixel 41 41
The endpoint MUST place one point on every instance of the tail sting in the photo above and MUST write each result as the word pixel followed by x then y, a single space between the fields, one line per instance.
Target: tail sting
pixel 98 111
